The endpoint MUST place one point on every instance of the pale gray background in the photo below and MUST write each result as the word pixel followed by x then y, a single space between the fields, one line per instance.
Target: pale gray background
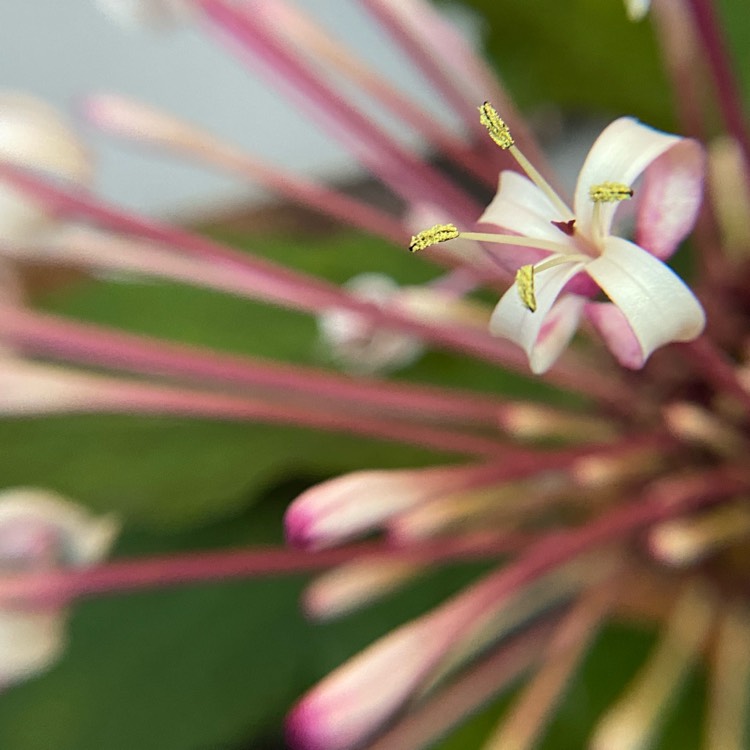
pixel 62 49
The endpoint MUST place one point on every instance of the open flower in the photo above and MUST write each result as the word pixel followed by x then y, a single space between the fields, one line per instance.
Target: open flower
pixel 649 305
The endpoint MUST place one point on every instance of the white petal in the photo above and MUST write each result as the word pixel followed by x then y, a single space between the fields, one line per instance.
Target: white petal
pixel 513 320
pixel 558 329
pixel 637 9
pixel 658 306
pixel 82 537
pixel 30 642
pixel 32 134
pixel 520 207
pixel 620 154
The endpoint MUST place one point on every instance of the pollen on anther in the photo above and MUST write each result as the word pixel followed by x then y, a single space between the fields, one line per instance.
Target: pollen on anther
pixel 495 125
pixel 525 286
pixel 433 236
pixel 610 192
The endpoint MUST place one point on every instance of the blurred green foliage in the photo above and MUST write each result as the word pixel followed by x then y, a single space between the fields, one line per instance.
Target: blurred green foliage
pixel 583 55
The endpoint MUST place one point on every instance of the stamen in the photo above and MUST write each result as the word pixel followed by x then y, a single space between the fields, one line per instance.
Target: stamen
pixel 519 240
pixel 433 236
pixel 610 192
pixel 525 275
pixel 496 127
pixel 500 134
pixel 525 286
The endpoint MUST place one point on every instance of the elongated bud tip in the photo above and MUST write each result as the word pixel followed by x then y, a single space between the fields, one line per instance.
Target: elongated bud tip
pixel 433 236
pixel 496 127
pixel 610 192
pixel 525 286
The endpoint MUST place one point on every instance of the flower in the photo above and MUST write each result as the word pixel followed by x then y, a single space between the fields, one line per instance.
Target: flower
pixel 649 305
pixel 40 532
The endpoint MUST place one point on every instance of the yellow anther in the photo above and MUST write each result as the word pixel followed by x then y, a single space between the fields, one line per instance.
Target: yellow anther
pixel 525 286
pixel 496 127
pixel 610 192
pixel 432 236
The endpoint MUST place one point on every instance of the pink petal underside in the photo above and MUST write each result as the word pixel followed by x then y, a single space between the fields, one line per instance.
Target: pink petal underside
pixel 621 153
pixel 555 334
pixel 616 332
pixel 670 198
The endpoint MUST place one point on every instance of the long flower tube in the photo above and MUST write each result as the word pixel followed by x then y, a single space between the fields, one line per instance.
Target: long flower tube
pixel 645 478
pixel 40 334
pixel 296 289
pixel 147 125
pixel 403 172
pixel 318 720
pixel 30 388
pixel 55 588
pixel 304 32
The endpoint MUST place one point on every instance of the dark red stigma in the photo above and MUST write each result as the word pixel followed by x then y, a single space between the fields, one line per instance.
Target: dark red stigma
pixel 567 227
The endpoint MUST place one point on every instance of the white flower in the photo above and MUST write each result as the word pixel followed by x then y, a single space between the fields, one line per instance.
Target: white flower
pixel 558 248
pixel 41 531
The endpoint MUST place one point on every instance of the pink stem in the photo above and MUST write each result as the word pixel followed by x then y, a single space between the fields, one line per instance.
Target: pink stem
pixel 56 588
pixel 662 501
pixel 275 282
pixel 169 134
pixel 301 291
pixel 430 56
pixel 717 369
pixel 719 60
pixel 321 45
pixel 333 203
pixel 48 335
pixel 145 398
pixel 411 178
pixel 427 59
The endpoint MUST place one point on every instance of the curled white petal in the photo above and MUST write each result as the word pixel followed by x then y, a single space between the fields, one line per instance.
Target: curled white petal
pixel 656 303
pixel 621 153
pixel 513 320
pixel 558 329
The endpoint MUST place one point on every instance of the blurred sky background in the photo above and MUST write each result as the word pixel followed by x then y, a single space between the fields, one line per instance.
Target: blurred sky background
pixel 62 50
